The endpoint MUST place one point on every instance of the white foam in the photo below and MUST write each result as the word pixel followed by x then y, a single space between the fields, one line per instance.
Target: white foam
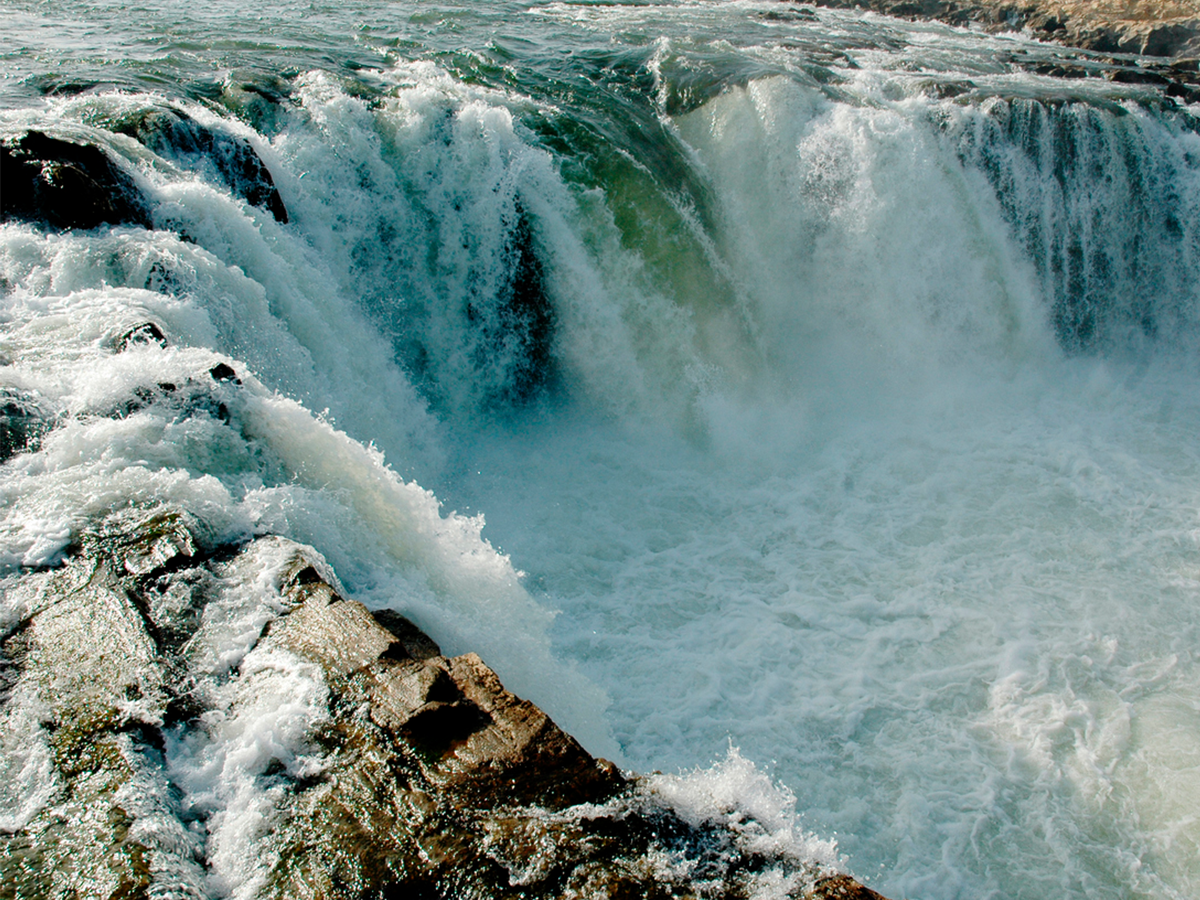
pixel 26 766
pixel 736 794
pixel 264 715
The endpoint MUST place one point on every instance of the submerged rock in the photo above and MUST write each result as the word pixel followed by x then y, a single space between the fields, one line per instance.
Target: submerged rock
pixel 193 720
pixel 66 185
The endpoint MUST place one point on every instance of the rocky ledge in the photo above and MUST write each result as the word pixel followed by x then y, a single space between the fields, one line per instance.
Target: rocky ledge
pixel 1165 34
pixel 1165 28
pixel 186 720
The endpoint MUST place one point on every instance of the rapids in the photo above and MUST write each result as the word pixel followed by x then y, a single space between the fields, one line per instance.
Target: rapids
pixel 828 386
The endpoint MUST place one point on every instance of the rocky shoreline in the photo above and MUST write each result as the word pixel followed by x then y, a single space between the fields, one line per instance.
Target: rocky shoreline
pixel 1152 42
pixel 137 678
pixel 1163 28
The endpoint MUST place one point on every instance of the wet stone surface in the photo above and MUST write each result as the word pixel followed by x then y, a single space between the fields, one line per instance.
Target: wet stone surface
pixel 150 650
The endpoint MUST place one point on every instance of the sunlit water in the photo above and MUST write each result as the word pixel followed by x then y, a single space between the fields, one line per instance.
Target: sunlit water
pixel 865 439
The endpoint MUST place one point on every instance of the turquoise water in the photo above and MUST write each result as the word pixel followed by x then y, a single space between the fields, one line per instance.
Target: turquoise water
pixel 723 373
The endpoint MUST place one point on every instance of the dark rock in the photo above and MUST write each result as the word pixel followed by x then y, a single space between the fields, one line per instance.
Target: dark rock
pixel 434 781
pixel 215 396
pixel 1059 70
pixel 1183 92
pixel 23 421
pixel 51 85
pixel 411 640
pixel 945 90
pixel 527 313
pixel 224 372
pixel 177 136
pixel 142 334
pixel 66 185
pixel 788 14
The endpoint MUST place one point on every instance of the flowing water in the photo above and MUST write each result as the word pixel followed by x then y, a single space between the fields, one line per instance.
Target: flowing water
pixel 828 386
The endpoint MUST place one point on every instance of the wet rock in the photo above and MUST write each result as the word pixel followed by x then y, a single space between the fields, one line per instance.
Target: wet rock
pixel 66 185
pixel 1149 27
pixel 23 421
pixel 218 395
pixel 527 314
pixel 1164 33
pixel 84 661
pixel 257 97
pixel 426 778
pixel 142 334
pixel 224 372
pixel 230 159
pixel 413 642
pixel 842 887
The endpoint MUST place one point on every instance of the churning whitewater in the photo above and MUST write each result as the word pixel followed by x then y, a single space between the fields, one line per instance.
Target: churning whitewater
pixel 828 386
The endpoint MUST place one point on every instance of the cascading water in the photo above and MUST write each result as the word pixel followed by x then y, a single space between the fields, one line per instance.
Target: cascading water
pixel 833 381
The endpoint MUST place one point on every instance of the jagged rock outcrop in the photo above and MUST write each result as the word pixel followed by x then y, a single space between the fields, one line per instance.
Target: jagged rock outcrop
pixel 189 720
pixel 66 185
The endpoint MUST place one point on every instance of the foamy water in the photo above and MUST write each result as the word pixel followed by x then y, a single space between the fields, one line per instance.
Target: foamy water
pixel 866 444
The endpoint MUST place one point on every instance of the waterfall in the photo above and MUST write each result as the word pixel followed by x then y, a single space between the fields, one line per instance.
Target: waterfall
pixel 727 375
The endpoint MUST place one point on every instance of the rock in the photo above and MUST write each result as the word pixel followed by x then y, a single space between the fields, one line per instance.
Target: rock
pixel 224 372
pixel 1151 28
pixel 84 657
pixel 527 321
pixel 256 97
pixel 147 651
pixel 1169 28
pixel 23 421
pixel 229 159
pixel 142 334
pixel 415 643
pixel 191 397
pixel 842 887
pixel 66 185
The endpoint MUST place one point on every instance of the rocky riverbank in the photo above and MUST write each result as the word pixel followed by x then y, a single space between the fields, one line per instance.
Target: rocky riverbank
pixel 188 720
pixel 1165 34
pixel 1164 28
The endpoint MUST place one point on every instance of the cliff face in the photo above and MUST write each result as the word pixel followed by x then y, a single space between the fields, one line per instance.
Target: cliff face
pixel 1166 28
pixel 189 720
